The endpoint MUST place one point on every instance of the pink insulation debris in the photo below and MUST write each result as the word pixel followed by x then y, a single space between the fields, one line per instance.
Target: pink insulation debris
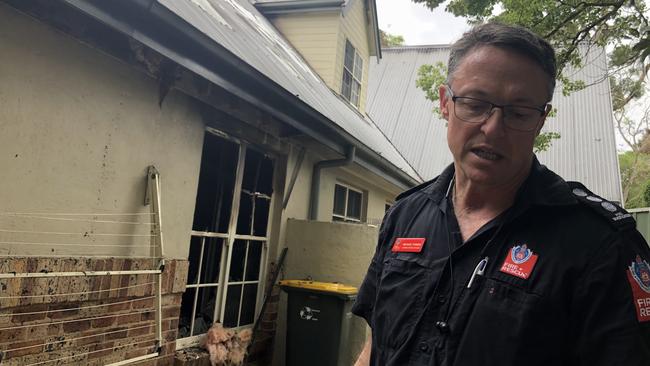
pixel 226 346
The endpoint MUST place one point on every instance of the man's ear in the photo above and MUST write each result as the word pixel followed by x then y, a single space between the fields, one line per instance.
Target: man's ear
pixel 443 98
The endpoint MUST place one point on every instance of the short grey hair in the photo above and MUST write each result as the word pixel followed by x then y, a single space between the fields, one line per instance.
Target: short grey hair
pixel 513 38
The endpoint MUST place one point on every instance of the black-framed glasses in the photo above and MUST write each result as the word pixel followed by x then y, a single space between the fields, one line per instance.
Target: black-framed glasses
pixel 516 117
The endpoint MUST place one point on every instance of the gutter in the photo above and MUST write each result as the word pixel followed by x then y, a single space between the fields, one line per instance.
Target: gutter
pixel 160 29
pixel 315 179
pixel 298 6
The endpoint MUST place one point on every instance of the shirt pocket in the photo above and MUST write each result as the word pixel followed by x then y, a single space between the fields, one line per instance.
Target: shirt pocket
pixel 400 299
pixel 504 318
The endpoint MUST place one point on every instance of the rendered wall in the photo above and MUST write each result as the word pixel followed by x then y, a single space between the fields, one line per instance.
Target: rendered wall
pixel 78 132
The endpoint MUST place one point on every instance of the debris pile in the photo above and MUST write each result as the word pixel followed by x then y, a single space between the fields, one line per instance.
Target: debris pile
pixel 226 346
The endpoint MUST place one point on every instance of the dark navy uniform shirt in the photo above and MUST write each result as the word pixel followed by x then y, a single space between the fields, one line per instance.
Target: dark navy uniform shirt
pixel 566 282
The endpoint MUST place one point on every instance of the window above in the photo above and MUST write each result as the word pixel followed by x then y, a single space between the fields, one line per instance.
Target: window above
pixel 352 75
pixel 347 204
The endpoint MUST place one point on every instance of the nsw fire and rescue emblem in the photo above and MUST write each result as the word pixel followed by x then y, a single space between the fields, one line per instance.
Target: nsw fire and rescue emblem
pixel 640 271
pixel 520 254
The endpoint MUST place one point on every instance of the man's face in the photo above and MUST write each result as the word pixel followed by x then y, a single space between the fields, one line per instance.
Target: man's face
pixel 489 153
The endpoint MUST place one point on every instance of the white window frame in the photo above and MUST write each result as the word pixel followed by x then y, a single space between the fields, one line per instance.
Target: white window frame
pixel 228 242
pixel 346 218
pixel 356 58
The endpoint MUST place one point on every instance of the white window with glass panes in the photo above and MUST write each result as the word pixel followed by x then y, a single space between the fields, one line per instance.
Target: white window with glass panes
pixel 228 247
pixel 348 203
pixel 352 75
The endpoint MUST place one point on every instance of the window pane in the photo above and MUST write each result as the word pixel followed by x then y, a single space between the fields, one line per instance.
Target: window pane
pixel 358 66
pixel 245 217
pixel 248 304
pixel 195 254
pixel 184 321
pixel 258 172
pixel 231 311
pixel 349 56
pixel 205 309
pixel 261 216
pixel 346 86
pixel 339 200
pixel 216 184
pixel 254 260
pixel 336 218
pixel 354 205
pixel 211 260
pixel 354 96
pixel 237 261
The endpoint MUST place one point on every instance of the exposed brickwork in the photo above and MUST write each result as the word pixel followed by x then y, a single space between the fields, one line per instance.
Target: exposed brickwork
pixel 98 322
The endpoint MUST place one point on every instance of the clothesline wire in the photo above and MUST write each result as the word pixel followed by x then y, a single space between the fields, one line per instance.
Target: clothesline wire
pixel 78 293
pixel 78 308
pixel 77 214
pixel 91 352
pixel 77 244
pixel 38 217
pixel 77 320
pixel 77 338
pixel 85 234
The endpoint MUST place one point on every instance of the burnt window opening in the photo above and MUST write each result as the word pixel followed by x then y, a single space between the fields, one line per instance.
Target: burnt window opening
pixel 227 256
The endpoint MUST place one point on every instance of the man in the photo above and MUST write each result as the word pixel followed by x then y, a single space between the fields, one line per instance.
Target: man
pixel 498 261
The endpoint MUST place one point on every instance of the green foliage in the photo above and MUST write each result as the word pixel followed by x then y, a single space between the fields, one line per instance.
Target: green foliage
pixel 635 168
pixel 430 77
pixel 544 141
pixel 390 40
pixel 646 194
pixel 620 25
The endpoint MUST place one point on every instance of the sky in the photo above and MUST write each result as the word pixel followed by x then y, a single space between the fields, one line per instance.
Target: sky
pixel 417 24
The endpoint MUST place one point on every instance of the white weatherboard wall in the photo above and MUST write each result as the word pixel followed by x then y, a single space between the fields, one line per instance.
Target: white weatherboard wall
pixel 78 132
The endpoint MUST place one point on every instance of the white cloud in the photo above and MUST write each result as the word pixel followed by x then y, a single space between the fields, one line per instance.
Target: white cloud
pixel 418 24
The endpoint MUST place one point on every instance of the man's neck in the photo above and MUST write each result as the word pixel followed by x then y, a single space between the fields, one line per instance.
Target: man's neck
pixel 477 204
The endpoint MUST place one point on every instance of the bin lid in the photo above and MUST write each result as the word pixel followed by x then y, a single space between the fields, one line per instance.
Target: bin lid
pixel 333 287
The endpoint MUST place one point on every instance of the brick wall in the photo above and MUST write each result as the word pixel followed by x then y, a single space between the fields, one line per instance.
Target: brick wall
pixel 99 320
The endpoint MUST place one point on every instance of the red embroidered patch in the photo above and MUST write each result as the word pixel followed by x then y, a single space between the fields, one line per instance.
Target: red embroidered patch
pixel 639 276
pixel 408 245
pixel 519 262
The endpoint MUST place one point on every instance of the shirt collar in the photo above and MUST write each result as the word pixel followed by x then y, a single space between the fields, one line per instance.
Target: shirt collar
pixel 542 187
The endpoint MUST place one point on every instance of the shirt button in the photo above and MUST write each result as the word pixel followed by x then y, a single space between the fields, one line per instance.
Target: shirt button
pixel 424 347
pixel 441 299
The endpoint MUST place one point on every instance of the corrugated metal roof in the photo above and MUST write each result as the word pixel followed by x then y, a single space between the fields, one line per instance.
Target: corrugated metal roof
pixel 237 26
pixel 586 151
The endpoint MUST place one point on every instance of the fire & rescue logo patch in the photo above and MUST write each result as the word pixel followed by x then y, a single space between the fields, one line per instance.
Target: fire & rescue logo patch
pixel 639 276
pixel 519 262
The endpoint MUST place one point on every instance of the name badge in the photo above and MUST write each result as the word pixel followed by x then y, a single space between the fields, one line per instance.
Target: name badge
pixel 519 262
pixel 408 245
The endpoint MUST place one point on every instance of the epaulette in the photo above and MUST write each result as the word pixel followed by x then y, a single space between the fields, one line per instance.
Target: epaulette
pixel 415 189
pixel 613 213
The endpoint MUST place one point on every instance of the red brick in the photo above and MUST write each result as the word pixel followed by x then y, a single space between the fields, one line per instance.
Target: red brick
pixel 39 310
pixel 126 319
pixel 114 308
pixel 139 331
pixel 150 315
pixel 12 334
pixel 101 350
pixel 103 322
pixel 115 334
pixel 37 348
pixel 70 310
pixel 171 312
pixel 90 339
pixel 76 326
pixel 142 304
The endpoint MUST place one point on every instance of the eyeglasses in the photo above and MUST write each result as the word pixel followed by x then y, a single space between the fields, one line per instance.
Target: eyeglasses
pixel 516 117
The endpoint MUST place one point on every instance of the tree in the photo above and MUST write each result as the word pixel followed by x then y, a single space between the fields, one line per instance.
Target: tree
pixel 390 40
pixel 620 25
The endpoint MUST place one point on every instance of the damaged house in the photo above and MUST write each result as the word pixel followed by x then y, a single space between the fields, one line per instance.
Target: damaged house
pixel 159 154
